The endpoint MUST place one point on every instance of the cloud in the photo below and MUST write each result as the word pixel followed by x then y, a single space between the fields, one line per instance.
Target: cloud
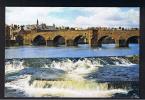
pixel 28 15
pixel 85 16
pixel 110 17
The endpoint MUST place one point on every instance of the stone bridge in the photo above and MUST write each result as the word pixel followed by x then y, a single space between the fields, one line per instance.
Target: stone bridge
pixel 94 38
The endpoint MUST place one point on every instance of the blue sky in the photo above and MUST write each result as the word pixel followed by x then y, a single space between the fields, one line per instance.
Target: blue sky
pixel 74 16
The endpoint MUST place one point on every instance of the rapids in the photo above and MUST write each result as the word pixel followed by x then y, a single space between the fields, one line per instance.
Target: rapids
pixel 70 77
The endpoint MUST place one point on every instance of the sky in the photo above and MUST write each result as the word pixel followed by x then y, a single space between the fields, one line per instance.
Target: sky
pixel 75 16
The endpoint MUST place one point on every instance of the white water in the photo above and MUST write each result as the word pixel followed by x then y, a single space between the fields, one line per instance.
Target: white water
pixel 66 77
pixel 13 66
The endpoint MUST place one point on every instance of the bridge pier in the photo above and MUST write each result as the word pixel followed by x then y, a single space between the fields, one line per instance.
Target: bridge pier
pixel 69 42
pixel 121 43
pixel 49 43
pixel 94 43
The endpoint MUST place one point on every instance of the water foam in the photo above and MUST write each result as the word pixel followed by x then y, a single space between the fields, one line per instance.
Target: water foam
pixel 61 77
pixel 62 90
pixel 13 66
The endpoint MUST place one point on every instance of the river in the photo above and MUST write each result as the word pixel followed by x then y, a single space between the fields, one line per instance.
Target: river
pixel 106 72
pixel 62 51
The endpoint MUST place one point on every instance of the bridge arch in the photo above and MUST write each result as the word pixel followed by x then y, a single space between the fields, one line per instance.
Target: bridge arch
pixel 58 40
pixel 39 40
pixel 105 40
pixel 132 40
pixel 80 39
pixel 19 39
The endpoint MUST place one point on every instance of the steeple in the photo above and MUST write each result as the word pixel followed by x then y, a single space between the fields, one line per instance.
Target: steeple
pixel 37 22
pixel 37 25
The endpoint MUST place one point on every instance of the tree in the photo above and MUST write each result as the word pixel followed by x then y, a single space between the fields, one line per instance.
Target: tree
pixel 119 27
pixel 67 28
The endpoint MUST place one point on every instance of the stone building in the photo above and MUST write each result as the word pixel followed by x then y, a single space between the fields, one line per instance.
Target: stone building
pixel 44 27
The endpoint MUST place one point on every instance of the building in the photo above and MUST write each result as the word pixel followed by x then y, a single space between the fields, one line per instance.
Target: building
pixel 44 27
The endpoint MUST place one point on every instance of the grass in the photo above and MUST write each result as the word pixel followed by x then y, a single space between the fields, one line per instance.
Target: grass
pixel 134 59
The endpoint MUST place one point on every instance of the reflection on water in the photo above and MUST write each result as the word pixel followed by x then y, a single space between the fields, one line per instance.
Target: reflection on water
pixel 62 51
pixel 109 77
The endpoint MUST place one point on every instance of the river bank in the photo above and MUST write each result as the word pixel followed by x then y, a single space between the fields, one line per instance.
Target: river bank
pixel 134 59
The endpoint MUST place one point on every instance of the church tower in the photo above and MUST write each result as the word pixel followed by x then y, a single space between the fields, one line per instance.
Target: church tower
pixel 37 25
pixel 37 22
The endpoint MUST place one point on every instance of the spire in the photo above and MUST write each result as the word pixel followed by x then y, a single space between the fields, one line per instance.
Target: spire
pixel 37 22
pixel 37 25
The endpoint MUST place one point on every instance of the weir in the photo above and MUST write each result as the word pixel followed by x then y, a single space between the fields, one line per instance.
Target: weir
pixel 71 77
